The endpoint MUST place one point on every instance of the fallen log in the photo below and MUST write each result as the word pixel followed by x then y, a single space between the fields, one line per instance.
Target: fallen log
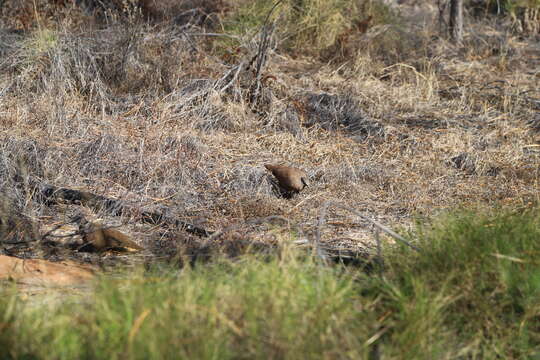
pixel 50 194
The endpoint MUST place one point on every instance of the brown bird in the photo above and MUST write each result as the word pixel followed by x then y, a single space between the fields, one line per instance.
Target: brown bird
pixel 291 180
pixel 98 238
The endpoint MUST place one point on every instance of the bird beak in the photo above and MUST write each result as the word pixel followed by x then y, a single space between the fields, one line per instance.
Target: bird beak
pixel 305 182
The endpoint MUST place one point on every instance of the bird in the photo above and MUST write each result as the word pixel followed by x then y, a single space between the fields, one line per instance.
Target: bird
pixel 98 238
pixel 291 180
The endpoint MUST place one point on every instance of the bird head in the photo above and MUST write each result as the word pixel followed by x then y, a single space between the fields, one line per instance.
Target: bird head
pixel 305 181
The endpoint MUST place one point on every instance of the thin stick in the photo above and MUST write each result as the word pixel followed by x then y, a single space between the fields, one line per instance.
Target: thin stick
pixel 233 79
pixel 262 53
pixel 377 224
pixel 70 221
pixel 320 223
pixel 379 252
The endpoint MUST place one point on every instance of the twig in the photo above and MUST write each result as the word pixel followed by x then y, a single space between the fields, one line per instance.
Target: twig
pixel 441 4
pixel 266 219
pixel 233 79
pixel 213 34
pixel 320 223
pixel 49 194
pixel 377 224
pixel 71 220
pixel 379 252
pixel 262 54
pixel 78 232
pixel 255 221
pixel 487 86
pixel 271 11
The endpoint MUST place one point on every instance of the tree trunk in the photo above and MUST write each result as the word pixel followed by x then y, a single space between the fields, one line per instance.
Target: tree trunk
pixel 456 21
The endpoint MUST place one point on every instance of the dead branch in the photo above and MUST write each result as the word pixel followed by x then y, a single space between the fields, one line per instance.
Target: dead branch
pixel 50 194
pixel 58 226
pixel 262 56
pixel 225 78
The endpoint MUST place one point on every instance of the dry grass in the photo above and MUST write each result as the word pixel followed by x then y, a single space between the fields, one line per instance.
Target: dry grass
pixel 133 112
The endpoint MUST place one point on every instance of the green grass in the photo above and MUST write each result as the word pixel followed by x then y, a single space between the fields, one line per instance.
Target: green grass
pixel 320 28
pixel 473 292
pixel 304 25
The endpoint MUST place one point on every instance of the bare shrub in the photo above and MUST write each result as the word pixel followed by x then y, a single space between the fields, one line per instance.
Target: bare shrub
pixel 19 160
pixel 15 227
pixel 20 157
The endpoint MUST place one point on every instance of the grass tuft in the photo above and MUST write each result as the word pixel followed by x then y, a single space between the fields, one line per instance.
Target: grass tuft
pixel 480 274
pixel 249 309
pixel 472 291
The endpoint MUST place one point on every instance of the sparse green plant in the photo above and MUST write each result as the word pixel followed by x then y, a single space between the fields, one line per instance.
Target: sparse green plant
pixel 302 25
pixel 481 274
pixel 39 44
pixel 512 6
